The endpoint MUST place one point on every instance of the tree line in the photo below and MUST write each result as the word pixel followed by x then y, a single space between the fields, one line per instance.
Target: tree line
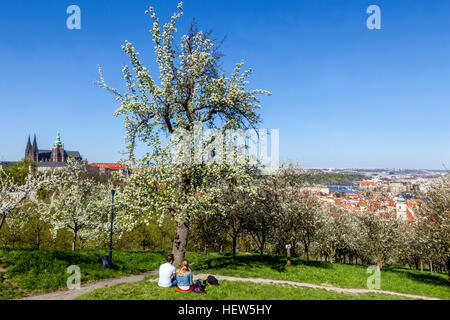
pixel 238 209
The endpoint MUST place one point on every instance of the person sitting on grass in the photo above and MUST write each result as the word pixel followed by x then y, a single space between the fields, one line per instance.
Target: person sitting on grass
pixel 184 277
pixel 167 273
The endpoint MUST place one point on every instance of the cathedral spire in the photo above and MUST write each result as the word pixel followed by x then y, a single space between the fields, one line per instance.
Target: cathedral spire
pixel 34 142
pixel 35 150
pixel 29 143
pixel 58 142
pixel 28 154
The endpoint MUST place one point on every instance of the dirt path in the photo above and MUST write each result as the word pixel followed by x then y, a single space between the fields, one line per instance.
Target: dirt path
pixel 88 287
pixel 314 286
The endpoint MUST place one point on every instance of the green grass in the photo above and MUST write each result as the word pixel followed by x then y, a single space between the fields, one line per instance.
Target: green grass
pixel 228 290
pixel 33 271
pixel 400 280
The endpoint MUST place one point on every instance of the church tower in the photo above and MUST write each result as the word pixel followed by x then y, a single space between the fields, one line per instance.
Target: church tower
pixel 28 154
pixel 35 150
pixel 58 154
pixel 401 206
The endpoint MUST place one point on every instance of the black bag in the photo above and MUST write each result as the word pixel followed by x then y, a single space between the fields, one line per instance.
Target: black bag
pixel 211 280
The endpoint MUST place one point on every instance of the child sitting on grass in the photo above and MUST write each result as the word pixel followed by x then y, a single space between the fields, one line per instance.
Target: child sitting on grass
pixel 184 277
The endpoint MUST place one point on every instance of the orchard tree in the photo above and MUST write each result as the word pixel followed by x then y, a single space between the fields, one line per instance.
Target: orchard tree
pixel 234 199
pixel 191 90
pixel 16 223
pixel 434 223
pixel 283 200
pixel 337 231
pixel 310 220
pixel 208 230
pixel 78 203
pixel 379 235
pixel 411 249
pixel 261 218
pixel 38 209
pixel 15 189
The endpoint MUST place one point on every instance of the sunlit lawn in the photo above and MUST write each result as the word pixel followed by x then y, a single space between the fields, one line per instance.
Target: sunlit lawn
pixel 227 290
pixel 35 271
pixel 341 275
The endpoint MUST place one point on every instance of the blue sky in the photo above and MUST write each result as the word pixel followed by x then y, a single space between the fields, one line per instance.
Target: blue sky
pixel 343 95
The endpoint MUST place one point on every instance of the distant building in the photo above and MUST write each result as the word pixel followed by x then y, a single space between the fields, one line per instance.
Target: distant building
pixel 316 189
pixel 50 158
pixel 108 168
pixel 6 164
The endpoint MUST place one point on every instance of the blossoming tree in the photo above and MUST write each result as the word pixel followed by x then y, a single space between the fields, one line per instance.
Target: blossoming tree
pixel 191 90
pixel 78 203
pixel 13 194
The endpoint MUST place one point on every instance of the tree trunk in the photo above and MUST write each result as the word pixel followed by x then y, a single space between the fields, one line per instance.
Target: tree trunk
pixel 421 265
pixel 38 239
pixel 263 243
pixel 379 265
pixel 207 256
pixel 288 262
pixel 2 221
pixel 206 253
pixel 294 247
pixel 74 241
pixel 234 245
pixel 448 269
pixel 180 241
pixel 431 267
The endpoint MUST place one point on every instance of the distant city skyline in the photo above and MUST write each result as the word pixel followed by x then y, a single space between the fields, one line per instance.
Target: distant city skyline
pixel 343 96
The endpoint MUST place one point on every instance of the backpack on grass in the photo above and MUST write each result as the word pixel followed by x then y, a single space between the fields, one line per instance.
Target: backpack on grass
pixel 211 281
pixel 198 288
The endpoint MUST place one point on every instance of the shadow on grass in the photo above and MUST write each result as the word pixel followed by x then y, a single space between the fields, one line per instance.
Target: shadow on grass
pixel 22 261
pixel 436 279
pixel 273 262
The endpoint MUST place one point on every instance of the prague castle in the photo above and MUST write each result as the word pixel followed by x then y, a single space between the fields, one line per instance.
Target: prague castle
pixel 51 157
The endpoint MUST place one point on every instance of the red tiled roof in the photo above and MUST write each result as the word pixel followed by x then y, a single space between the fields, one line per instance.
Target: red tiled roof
pixel 113 166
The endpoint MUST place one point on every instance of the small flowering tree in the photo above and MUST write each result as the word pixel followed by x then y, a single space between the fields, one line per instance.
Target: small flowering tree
pixel 337 231
pixel 191 90
pixel 14 193
pixel 379 235
pixel 233 198
pixel 261 220
pixel 38 209
pixel 78 202
pixel 433 225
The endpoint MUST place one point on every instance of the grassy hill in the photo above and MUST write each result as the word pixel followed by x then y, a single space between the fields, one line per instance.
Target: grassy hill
pixel 227 290
pixel 32 271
